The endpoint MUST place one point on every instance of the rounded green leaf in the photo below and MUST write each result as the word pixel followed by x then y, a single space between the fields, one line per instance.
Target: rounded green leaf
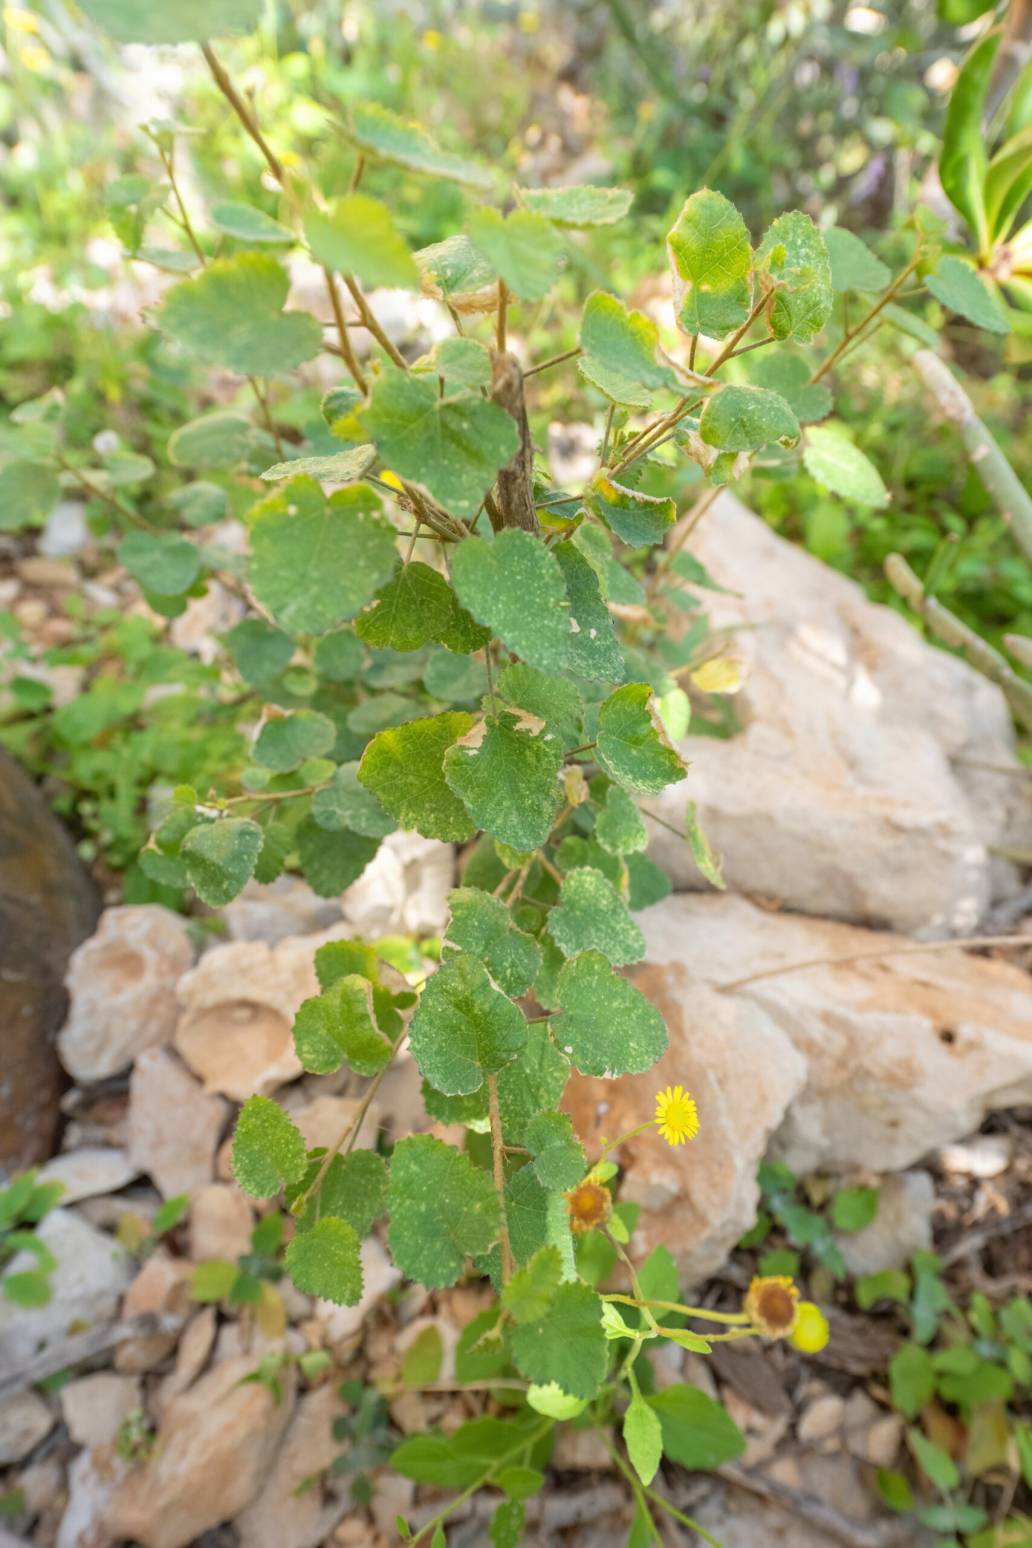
pixel 325 1262
pixel 231 314
pixel 566 1346
pixel 853 265
pixel 710 255
pixel 838 465
pixel 404 767
pixel 220 858
pixel 342 467
pixel 28 493
pixel 607 1026
pixel 249 224
pixel 339 1026
pixel 960 288
pixel 357 235
pixel 185 21
pixel 643 1437
pixel 789 375
pixel 515 587
pixel 559 1160
pixel 284 742
pixel 590 915
pixel 458 272
pixel 346 803
pixel 620 352
pixel 795 257
pixel 578 205
pixel 482 925
pixel 636 518
pixel 442 1210
pixel 218 440
pixel 592 649
pixel 331 861
pixel 464 1028
pixel 620 827
pixel 386 135
pixel 698 1432
pixel 509 784
pixel 738 419
pixel 268 1150
pixel 316 560
pixel 632 744
pixel 522 247
pixel 414 607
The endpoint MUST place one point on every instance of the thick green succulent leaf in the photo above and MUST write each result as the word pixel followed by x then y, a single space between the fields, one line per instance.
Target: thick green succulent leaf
pixel 442 1210
pixel 621 352
pixel 964 162
pixel 482 925
pixel 698 1432
pixel 342 467
pixel 789 375
pixel 523 248
pixel 317 559
pixel 853 265
pixel 346 803
pixel 515 587
pixel 710 255
pixel 530 1292
pixel 458 272
pixel 452 447
pixel 592 649
pixel 620 827
pixel 578 205
pixel 738 419
pixel 632 744
pixel 567 1345
pixel 354 1189
pixel 555 700
pixel 268 1150
pixel 635 518
pixel 325 1262
pixel 284 743
pixel 187 21
pixel 162 562
pixel 220 858
pixel 794 255
pixel 339 1026
pixel 559 1160
pixel 960 288
pixel 249 224
pixel 590 915
pixel 464 1028
pixel 607 1026
pixel 836 464
pixel 414 607
pixel 509 784
pixel 231 314
pixel 357 235
pixel 28 493
pixel 403 766
pixel 391 138
pixel 331 861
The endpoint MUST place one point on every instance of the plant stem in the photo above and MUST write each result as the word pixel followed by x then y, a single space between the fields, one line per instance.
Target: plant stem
pixel 608 432
pixel 112 500
pixel 554 360
pixel 348 1135
pixel 370 321
pixel 498 1159
pixel 735 1318
pixel 347 353
pixel 503 303
pixel 247 118
pixel 657 1499
pixel 851 333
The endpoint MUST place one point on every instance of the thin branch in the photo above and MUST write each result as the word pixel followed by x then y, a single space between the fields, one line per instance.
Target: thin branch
pixel 99 493
pixel 912 948
pixel 852 333
pixel 503 303
pixel 347 353
pixel 498 1160
pixel 546 365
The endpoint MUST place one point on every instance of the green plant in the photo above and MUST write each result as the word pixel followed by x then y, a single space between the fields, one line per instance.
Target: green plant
pixel 451 644
pixel 962 1382
pixel 808 1223
pixel 23 1204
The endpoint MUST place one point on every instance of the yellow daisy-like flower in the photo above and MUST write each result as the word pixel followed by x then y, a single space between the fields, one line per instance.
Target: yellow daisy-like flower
pixel 590 1205
pixel 676 1115
pixel 772 1305
pixel 810 1334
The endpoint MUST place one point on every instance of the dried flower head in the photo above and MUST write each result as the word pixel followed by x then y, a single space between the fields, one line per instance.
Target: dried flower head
pixel 676 1115
pixel 772 1305
pixel 590 1205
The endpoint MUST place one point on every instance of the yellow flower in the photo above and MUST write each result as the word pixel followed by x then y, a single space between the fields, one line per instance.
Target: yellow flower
pixel 590 1205
pixel 676 1115
pixel 810 1333
pixel 772 1305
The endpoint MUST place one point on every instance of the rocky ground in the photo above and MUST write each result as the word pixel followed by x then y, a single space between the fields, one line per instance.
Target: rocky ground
pixel 816 1010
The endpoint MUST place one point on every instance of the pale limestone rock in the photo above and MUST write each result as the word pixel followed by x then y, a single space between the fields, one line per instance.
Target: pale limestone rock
pixel 871 1433
pixel 215 1447
pixel 820 1424
pixel 861 1066
pixel 378 1276
pixel 92 1272
pixel 89 1171
pixel 191 1357
pixel 121 985
pixel 403 890
pixel 983 1155
pixel 322 1121
pixel 160 1287
pixel 281 1517
pixel 25 1420
pixel 901 1227
pixel 197 628
pixel 42 1484
pixel 93 1407
pixel 174 1127
pixel 287 906
pixel 846 794
pixel 238 1005
pixel 221 1222
pixel 93 1480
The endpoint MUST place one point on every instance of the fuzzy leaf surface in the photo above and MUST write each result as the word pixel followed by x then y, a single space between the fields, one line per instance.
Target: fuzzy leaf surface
pixel 464 1028
pixel 608 1026
pixel 268 1150
pixel 482 925
pixel 231 314
pixel 631 745
pixel 404 768
pixel 509 785
pixel 442 1210
pixel 515 587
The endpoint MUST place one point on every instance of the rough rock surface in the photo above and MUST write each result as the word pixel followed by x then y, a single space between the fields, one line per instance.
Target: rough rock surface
pixel 122 982
pixel 24 1421
pixel 238 1008
pixel 861 1065
pixel 221 1221
pixel 47 905
pixel 93 1480
pixel 174 1127
pixel 902 1226
pixel 846 794
pixel 404 889
pixel 281 1517
pixel 89 1171
pixel 93 1407
pixel 214 1451
pixel 86 1286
